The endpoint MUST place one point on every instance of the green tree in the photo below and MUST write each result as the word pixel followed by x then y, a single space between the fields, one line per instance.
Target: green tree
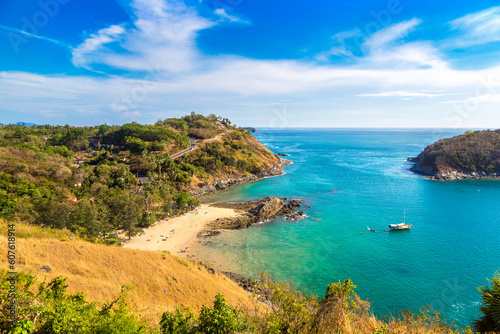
pixel 222 319
pixel 135 145
pixel 125 211
pixel 490 295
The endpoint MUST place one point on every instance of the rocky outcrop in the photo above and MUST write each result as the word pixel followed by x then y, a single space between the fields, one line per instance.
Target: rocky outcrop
pixel 451 175
pixel 255 212
pixel 456 175
pixel 276 170
pixel 249 285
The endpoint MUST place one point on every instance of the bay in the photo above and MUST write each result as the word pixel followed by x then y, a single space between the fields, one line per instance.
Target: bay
pixel 355 179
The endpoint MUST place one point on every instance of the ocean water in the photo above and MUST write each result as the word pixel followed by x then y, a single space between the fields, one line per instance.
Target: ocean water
pixel 355 179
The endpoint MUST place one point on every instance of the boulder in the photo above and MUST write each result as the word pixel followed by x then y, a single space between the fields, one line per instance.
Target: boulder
pixel 45 269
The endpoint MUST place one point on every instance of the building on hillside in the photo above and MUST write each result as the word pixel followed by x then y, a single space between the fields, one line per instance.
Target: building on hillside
pixel 142 180
pixel 93 140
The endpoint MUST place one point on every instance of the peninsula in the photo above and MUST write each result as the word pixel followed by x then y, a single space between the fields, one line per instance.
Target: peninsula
pixel 475 154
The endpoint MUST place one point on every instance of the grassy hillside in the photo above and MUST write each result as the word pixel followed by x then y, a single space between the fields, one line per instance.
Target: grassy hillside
pixel 474 151
pixel 233 154
pixel 159 281
pixel 95 180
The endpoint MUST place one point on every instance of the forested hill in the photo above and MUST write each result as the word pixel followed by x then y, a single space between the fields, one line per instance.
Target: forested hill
pixel 95 180
pixel 474 151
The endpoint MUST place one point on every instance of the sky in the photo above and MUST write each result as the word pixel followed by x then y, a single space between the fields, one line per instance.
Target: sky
pixel 314 63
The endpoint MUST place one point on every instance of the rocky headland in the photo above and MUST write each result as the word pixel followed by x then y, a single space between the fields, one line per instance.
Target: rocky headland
pixel 276 170
pixel 451 174
pixel 472 155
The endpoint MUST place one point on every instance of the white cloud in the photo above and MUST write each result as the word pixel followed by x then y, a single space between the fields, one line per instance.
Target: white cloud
pixel 476 99
pixel 221 12
pixel 161 39
pixel 387 37
pixel 478 28
pixel 386 48
pixel 340 45
pixel 92 48
pixel 403 94
pixel 162 36
pixel 13 36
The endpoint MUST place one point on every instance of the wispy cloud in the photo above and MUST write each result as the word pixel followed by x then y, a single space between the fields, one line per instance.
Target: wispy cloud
pixel 30 35
pixel 343 44
pixel 385 48
pixel 478 28
pixel 162 36
pixel 93 48
pixel 221 12
pixel 403 94
pixel 387 37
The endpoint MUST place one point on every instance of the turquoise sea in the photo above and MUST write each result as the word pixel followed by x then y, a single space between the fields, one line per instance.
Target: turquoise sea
pixel 354 179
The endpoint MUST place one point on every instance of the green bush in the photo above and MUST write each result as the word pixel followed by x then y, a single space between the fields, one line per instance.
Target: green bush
pixel 182 321
pixel 490 322
pixel 221 319
pixel 53 311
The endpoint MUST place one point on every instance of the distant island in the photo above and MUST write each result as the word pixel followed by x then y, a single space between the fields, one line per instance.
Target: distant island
pixel 25 124
pixel 250 129
pixel 475 154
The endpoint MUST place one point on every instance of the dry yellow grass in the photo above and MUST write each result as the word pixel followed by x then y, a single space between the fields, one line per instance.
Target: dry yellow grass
pixel 160 280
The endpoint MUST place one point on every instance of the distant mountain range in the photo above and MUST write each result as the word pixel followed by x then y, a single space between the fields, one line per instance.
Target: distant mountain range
pixel 26 124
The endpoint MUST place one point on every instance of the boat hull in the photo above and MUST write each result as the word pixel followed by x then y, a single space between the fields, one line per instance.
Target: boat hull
pixel 399 227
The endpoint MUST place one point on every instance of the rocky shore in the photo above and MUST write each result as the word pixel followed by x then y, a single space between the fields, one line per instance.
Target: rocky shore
pixel 254 212
pixel 451 175
pixel 276 170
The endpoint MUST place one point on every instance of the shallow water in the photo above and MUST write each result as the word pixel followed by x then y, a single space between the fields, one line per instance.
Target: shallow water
pixel 355 179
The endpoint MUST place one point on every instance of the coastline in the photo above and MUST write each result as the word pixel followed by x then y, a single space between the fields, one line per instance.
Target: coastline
pixel 224 184
pixel 452 175
pixel 176 235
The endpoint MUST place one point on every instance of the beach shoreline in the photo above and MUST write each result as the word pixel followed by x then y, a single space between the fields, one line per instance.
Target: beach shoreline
pixel 176 235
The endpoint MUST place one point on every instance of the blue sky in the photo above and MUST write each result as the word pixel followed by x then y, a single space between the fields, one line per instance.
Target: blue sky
pixel 391 63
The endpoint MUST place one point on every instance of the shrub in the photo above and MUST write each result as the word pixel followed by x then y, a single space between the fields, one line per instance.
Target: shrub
pixel 179 322
pixel 490 295
pixel 222 319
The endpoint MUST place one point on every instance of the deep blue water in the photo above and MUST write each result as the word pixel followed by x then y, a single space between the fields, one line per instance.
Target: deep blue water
pixel 354 179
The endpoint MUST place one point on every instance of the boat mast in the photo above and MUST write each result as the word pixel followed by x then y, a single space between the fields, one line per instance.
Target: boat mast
pixel 404 215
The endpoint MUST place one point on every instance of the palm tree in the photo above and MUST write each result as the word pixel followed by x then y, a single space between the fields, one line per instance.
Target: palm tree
pixel 490 322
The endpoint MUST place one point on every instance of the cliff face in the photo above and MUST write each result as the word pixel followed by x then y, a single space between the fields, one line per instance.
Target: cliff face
pixel 219 185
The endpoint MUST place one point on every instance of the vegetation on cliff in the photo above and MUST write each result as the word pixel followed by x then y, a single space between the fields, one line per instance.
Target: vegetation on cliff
pixel 94 180
pixel 474 151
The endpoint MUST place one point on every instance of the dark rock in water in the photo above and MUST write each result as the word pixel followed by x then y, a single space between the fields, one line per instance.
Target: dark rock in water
pixel 256 212
pixel 412 159
pixel 283 154
pixel 249 285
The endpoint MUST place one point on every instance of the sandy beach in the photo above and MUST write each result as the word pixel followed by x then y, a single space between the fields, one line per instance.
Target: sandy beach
pixel 178 233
